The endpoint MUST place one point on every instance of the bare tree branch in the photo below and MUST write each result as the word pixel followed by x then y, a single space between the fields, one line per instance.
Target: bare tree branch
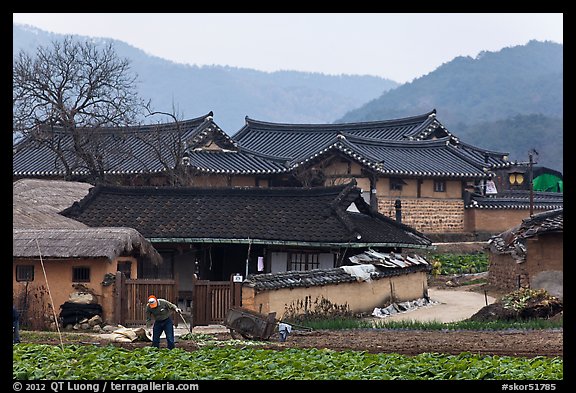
pixel 66 92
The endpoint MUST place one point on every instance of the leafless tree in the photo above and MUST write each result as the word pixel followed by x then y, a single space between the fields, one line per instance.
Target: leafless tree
pixel 316 174
pixel 167 146
pixel 67 92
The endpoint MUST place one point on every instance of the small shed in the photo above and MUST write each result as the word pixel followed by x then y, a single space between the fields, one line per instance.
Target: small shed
pixel 372 280
pixel 529 255
pixel 58 260
pixel 55 266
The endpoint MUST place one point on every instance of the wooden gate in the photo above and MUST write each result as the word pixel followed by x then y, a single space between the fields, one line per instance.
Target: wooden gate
pixel 210 301
pixel 130 302
pixel 213 299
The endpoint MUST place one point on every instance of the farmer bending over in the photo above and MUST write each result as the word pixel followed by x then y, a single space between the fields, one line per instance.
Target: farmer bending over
pixel 160 309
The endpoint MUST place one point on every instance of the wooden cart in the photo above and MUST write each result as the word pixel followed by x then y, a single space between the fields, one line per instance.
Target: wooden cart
pixel 250 324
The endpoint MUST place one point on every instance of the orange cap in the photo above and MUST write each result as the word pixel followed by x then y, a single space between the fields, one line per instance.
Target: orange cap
pixel 152 301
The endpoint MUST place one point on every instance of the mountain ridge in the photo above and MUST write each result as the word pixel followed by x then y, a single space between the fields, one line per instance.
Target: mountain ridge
pixel 516 98
pixel 232 93
pixel 504 92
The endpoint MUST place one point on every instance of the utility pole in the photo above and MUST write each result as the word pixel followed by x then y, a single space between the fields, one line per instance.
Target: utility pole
pixel 531 185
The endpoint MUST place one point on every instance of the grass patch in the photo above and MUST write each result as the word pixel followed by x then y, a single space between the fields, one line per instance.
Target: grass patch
pixel 356 323
pixel 41 335
pixel 474 282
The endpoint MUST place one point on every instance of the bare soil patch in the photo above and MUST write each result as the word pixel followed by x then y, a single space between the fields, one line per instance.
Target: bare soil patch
pixel 525 343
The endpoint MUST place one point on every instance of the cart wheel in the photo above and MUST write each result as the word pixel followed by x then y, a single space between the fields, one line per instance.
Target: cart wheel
pixel 243 326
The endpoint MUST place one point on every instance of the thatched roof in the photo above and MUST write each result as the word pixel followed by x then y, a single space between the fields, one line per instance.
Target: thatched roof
pixel 36 203
pixel 102 242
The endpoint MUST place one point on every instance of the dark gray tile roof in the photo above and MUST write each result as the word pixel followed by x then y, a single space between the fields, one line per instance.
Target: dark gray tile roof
pixel 492 159
pixel 414 146
pixel 288 140
pixel 426 158
pixel 512 241
pixel 126 150
pixel 232 162
pixel 321 277
pixel 517 199
pixel 134 150
pixel 295 279
pixel 316 216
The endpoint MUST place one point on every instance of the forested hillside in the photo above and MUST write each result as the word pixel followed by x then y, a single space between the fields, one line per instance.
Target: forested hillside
pixel 510 100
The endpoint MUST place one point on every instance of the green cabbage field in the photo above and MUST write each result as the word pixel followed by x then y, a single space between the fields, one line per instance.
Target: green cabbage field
pixel 89 362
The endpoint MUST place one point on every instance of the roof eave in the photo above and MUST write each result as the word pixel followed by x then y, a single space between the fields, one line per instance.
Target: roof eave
pixel 284 242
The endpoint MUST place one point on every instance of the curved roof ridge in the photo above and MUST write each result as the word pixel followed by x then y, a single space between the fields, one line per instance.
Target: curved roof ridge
pixel 483 150
pixel 294 126
pixel 416 143
pixel 454 150
pixel 197 121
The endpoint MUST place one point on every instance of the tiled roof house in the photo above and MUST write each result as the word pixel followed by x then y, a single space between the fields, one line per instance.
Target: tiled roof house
pixel 439 181
pixel 219 229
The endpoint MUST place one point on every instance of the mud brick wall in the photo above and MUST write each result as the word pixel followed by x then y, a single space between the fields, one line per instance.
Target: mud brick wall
pixel 505 274
pixel 545 253
pixel 426 214
pixel 495 220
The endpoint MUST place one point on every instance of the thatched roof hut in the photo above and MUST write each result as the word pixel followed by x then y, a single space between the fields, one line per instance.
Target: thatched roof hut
pixel 36 203
pixel 107 243
pixel 39 229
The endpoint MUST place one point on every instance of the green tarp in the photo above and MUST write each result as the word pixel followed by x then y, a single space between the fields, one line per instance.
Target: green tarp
pixel 548 183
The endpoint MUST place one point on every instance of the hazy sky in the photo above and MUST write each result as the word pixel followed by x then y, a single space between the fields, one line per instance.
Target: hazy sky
pixel 396 46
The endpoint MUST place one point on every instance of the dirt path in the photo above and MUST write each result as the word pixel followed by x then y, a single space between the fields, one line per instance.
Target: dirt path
pixel 452 306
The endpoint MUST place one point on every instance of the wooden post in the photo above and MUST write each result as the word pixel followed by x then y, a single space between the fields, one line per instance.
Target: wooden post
pixel 531 183
pixel 235 291
pixel 193 302
pixel 119 304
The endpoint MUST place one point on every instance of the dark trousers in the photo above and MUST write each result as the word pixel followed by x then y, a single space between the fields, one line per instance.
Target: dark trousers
pixel 15 331
pixel 166 326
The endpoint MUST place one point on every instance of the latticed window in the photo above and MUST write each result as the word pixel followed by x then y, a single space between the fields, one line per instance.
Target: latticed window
pixel 80 274
pixel 439 185
pixel 24 272
pixel 303 261
pixel 396 184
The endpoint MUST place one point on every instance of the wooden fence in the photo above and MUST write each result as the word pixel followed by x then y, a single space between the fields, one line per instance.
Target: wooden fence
pixel 210 300
pixel 133 295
